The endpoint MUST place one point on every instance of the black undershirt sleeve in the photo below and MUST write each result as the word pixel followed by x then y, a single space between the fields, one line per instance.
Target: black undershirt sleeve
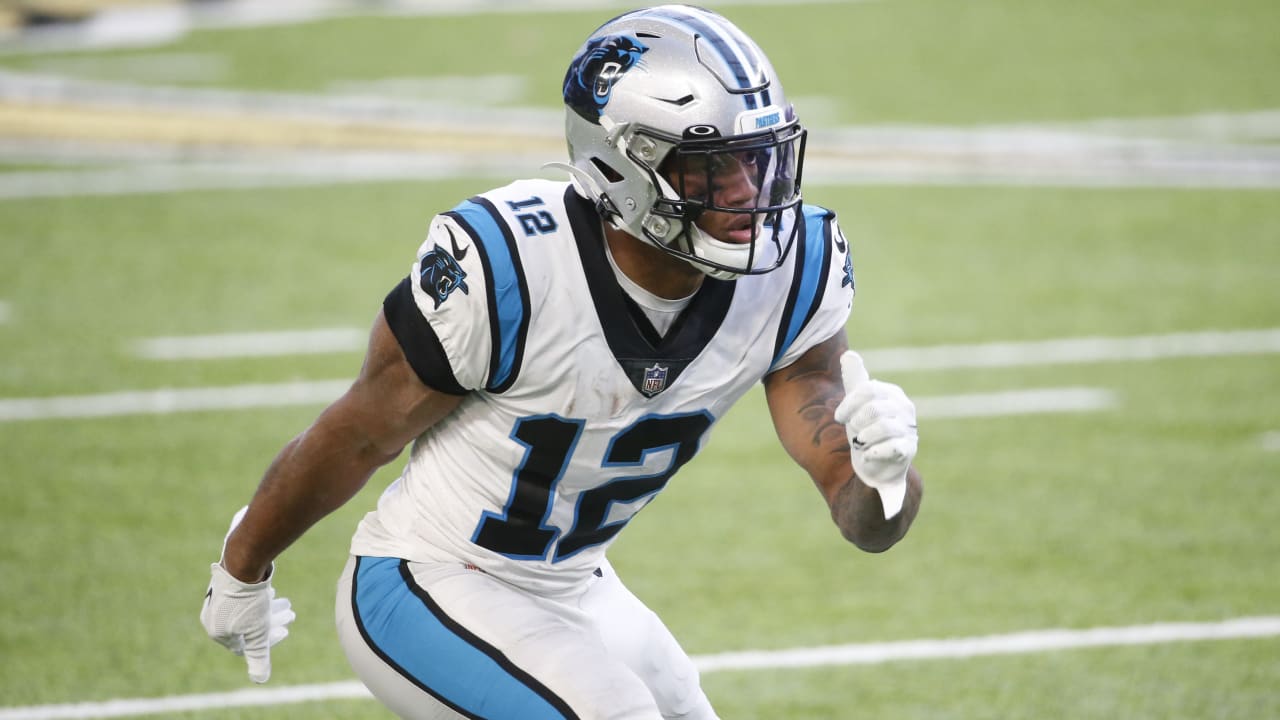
pixel 418 341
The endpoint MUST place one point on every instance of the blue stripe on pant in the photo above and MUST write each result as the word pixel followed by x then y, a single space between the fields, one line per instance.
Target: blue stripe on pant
pixel 405 627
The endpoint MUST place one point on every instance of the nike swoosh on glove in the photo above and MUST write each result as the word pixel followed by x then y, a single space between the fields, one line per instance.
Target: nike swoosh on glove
pixel 246 618
pixel 880 422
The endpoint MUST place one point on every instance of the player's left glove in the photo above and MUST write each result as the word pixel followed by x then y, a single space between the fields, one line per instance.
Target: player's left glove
pixel 880 421
pixel 246 618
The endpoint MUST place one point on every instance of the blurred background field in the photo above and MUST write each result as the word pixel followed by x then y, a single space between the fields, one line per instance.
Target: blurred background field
pixel 1006 172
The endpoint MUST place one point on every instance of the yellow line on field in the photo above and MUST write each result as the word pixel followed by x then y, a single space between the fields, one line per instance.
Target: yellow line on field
pixel 84 7
pixel 67 121
pixel 10 19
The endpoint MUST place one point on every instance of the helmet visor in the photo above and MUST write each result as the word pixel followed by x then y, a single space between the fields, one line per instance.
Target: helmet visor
pixel 757 174
pixel 735 191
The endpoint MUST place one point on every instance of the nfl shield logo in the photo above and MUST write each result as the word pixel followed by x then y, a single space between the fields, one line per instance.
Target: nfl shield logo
pixel 655 380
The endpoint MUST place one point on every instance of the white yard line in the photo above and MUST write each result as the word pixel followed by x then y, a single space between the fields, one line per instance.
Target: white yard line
pixel 1053 351
pixel 1035 641
pixel 168 401
pixel 1066 351
pixel 243 397
pixel 1015 402
pixel 1074 351
pixel 249 697
pixel 1011 644
pixel 1270 441
pixel 1250 125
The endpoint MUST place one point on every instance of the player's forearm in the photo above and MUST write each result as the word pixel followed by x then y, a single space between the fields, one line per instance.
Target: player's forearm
pixel 858 512
pixel 315 474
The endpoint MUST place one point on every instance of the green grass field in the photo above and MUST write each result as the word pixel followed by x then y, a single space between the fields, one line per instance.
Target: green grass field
pixel 1163 508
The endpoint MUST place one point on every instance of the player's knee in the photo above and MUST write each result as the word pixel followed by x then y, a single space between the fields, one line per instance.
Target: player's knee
pixel 595 685
pixel 678 691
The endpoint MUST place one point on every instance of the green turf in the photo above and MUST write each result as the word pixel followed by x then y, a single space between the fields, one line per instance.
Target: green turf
pixel 1153 682
pixel 1162 509
pixel 896 60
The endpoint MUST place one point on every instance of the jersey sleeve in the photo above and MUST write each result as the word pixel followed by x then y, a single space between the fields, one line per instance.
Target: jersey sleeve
pixel 822 288
pixel 440 314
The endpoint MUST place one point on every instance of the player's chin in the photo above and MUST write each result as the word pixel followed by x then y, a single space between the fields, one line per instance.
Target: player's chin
pixel 730 228
pixel 730 234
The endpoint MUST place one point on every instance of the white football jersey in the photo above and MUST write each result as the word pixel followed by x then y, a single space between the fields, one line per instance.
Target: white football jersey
pixel 576 412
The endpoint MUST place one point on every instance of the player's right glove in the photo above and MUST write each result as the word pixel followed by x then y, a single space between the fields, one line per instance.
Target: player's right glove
pixel 880 421
pixel 246 618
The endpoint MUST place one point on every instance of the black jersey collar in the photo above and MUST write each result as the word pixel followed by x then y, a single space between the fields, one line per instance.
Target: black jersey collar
pixel 651 362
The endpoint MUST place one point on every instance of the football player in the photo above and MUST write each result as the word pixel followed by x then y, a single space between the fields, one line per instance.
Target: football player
pixel 557 352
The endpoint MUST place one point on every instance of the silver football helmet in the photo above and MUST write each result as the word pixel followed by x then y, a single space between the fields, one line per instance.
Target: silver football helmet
pixel 674 115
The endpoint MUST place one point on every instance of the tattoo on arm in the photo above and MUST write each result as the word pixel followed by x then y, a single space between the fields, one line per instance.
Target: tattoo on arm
pixel 807 394
pixel 812 374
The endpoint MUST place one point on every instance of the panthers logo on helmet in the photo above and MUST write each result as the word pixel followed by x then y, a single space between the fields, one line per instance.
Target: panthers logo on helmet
pixel 440 275
pixel 589 82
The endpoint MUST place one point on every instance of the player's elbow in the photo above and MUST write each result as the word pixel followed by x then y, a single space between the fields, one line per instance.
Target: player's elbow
pixel 871 537
pixel 859 513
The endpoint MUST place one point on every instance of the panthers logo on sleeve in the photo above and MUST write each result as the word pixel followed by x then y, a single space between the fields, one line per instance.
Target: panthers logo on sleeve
pixel 843 246
pixel 440 274
pixel 589 82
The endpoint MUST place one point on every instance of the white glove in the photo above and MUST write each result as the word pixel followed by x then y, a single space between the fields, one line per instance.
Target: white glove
pixel 880 421
pixel 246 618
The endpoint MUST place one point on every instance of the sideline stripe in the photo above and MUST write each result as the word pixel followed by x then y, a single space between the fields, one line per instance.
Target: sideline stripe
pixel 215 137
pixel 243 397
pixel 1034 641
pixel 254 344
pixel 283 173
pixel 154 24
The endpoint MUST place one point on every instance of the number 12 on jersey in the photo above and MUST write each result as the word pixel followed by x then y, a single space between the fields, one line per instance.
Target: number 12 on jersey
pixel 522 531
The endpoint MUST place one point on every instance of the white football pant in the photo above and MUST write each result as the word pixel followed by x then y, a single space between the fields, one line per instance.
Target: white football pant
pixel 440 641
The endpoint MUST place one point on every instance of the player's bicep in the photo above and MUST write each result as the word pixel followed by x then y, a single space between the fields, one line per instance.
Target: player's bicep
pixel 802 399
pixel 388 400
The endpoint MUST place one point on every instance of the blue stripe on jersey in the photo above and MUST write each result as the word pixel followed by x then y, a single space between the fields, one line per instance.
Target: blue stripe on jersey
pixel 723 44
pixel 506 288
pixel 406 629
pixel 809 277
